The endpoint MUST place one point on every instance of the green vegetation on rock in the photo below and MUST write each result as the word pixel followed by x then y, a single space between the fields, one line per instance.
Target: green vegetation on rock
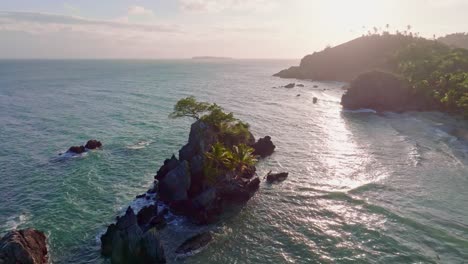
pixel 437 72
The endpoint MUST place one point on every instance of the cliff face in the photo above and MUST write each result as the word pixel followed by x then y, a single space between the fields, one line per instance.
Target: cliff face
pixel 346 61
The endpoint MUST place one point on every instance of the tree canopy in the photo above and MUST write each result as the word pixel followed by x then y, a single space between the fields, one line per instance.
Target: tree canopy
pixel 189 107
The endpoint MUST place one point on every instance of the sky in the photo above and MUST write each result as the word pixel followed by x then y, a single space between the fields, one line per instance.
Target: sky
pixel 150 29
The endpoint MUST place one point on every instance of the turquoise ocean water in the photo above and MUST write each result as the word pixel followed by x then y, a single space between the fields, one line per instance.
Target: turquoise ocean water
pixel 363 187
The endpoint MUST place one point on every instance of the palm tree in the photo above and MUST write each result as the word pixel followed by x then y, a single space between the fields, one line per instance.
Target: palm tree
pixel 219 156
pixel 242 158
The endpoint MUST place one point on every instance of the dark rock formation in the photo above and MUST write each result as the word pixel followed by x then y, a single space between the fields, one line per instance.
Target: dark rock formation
pixel 300 85
pixel 182 184
pixel 276 177
pixel 291 85
pixel 264 147
pixel 314 100
pixel 176 183
pixel 23 247
pixel 346 61
pixel 77 149
pixel 382 91
pixel 128 242
pixel 316 86
pixel 93 144
pixel 194 245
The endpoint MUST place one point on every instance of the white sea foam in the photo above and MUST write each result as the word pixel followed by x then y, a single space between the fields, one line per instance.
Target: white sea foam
pixel 140 145
pixel 15 221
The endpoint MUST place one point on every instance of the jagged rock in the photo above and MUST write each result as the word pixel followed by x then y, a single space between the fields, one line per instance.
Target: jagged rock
pixel 196 171
pixel 175 185
pixel 169 164
pixel 253 185
pixel 291 85
pixel 276 177
pixel 205 199
pixel 236 192
pixel 93 144
pixel 194 245
pixel 264 147
pixel 23 247
pixel 77 149
pixel 145 215
pixel 125 242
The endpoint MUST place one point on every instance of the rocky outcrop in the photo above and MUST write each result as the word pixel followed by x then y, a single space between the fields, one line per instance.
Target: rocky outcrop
pixel 90 145
pixel 264 147
pixel 132 240
pixel 23 246
pixel 183 186
pixel 77 149
pixel 194 245
pixel 276 177
pixel 383 91
pixel 93 144
pixel 291 85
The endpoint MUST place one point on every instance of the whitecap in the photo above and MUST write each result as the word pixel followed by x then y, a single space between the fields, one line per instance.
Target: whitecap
pixel 140 145
pixel 13 222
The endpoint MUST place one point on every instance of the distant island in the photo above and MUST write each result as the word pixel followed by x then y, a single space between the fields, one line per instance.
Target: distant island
pixel 210 58
pixel 394 72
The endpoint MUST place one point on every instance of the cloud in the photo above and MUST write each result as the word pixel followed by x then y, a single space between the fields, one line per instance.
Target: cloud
pixel 39 22
pixel 140 11
pixel 221 5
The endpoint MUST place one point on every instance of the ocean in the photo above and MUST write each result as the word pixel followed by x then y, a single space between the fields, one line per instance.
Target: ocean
pixel 362 187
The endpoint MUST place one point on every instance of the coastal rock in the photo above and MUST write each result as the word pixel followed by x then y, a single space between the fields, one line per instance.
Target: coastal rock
pixel 77 149
pixel 93 144
pixel 238 192
pixel 126 242
pixel 276 177
pixel 300 85
pixel 291 85
pixel 146 214
pixel 175 185
pixel 291 73
pixel 194 245
pixel 23 246
pixel 264 147
pixel 382 91
pixel 314 100
pixel 169 164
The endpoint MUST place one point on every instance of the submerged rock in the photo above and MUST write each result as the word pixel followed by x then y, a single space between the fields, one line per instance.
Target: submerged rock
pixel 126 242
pixel 194 245
pixel 24 247
pixel 77 149
pixel 300 85
pixel 264 147
pixel 276 177
pixel 291 85
pixel 93 144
